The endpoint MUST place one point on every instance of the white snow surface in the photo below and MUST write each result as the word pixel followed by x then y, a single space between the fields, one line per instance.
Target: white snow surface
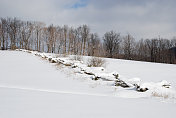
pixel 31 87
pixel 147 71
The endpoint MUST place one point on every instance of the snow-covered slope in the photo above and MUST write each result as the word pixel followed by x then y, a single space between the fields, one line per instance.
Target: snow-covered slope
pixel 145 70
pixel 32 87
pixel 113 79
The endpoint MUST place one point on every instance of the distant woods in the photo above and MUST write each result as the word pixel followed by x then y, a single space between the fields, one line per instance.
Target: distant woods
pixel 15 34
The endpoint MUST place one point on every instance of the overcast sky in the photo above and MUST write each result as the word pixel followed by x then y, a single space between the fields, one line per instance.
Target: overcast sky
pixel 140 18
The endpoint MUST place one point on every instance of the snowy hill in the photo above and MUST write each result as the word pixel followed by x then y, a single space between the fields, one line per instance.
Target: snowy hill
pixel 145 70
pixel 30 86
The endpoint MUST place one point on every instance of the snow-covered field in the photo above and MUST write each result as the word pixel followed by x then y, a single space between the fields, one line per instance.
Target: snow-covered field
pixel 31 87
pixel 145 70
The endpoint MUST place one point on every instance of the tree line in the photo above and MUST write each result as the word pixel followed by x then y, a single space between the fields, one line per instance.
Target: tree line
pixel 31 35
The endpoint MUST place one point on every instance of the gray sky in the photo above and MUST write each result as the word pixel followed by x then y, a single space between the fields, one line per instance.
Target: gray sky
pixel 140 18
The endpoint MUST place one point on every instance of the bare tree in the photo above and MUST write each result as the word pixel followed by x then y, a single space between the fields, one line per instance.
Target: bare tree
pixel 94 45
pixel 173 42
pixel 128 46
pixel 26 32
pixel 71 40
pixel 77 42
pixel 13 28
pixel 3 33
pixel 84 34
pixel 38 27
pixel 60 39
pixel 51 38
pixel 111 42
pixel 65 38
pixel 141 51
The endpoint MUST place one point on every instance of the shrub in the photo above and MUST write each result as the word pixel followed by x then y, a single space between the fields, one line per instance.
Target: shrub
pixel 157 94
pixel 60 55
pixel 95 62
pixel 77 58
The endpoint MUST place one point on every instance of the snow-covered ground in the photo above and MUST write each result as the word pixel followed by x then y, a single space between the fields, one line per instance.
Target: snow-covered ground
pixel 32 87
pixel 147 71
